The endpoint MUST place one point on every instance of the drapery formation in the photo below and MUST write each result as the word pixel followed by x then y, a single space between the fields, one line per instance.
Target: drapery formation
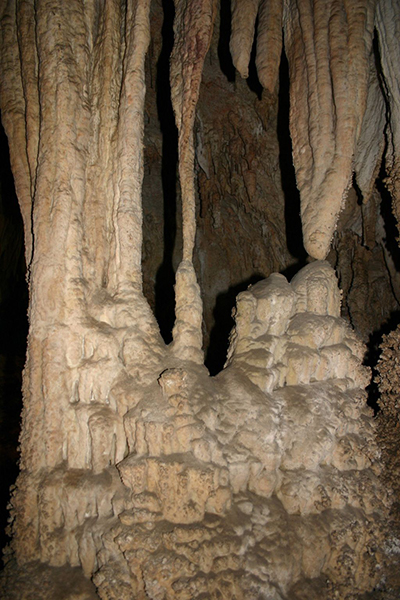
pixel 344 104
pixel 155 480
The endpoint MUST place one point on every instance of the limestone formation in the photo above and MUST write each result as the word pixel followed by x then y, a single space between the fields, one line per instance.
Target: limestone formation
pixel 193 30
pixel 269 43
pixel 339 94
pixel 258 483
pixel 387 23
pixel 138 469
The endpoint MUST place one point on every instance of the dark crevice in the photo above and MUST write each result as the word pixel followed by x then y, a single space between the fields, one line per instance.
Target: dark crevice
pixel 223 324
pixel 13 329
pixel 385 92
pixel 252 81
pixel 165 278
pixel 391 227
pixel 224 54
pixel 294 233
pixel 357 190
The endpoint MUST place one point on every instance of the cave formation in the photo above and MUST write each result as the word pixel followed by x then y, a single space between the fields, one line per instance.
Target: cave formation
pixel 209 195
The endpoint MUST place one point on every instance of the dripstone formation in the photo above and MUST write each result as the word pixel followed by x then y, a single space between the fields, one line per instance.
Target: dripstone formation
pixel 259 483
pixel 142 477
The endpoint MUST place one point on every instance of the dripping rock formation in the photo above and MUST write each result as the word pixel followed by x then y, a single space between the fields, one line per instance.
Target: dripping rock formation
pixel 142 161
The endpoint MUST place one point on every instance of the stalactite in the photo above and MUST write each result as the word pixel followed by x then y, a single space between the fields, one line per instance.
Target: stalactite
pixel 193 27
pixel 337 110
pixel 138 468
pixel 244 14
pixel 269 38
pixel 328 45
pixel 14 119
pixel 269 43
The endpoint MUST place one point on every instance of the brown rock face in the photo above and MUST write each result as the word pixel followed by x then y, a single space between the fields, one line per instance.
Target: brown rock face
pixel 139 471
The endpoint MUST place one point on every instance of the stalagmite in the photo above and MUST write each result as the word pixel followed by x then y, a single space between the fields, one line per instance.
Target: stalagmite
pixel 193 29
pixel 238 484
pixel 138 469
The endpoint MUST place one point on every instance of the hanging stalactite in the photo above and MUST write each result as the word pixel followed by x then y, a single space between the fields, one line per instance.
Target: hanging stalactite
pixel 338 92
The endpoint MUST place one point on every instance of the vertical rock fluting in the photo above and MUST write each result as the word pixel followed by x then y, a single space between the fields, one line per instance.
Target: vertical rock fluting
pixel 269 38
pixel 344 99
pixel 193 27
pixel 73 93
pixel 388 27
pixel 20 116
pixel 328 45
pixel 136 467
pixel 244 14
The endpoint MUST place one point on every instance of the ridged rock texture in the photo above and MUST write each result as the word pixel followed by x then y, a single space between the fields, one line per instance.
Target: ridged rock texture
pixel 338 95
pixel 138 470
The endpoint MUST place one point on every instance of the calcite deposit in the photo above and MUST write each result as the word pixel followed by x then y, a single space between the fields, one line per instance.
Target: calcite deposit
pixel 339 92
pixel 138 470
pixel 261 482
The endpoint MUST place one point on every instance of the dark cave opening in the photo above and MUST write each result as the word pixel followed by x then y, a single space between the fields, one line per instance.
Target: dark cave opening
pixel 219 337
pixel 13 329
pixel 164 307
pixel 294 232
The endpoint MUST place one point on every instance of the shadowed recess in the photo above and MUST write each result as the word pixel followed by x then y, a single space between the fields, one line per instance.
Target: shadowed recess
pixel 13 328
pixel 165 278
pixel 294 234
pixel 223 324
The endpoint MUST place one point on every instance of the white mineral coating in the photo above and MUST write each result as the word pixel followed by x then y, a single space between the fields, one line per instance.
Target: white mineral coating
pixel 317 289
pixel 326 47
pixel 193 27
